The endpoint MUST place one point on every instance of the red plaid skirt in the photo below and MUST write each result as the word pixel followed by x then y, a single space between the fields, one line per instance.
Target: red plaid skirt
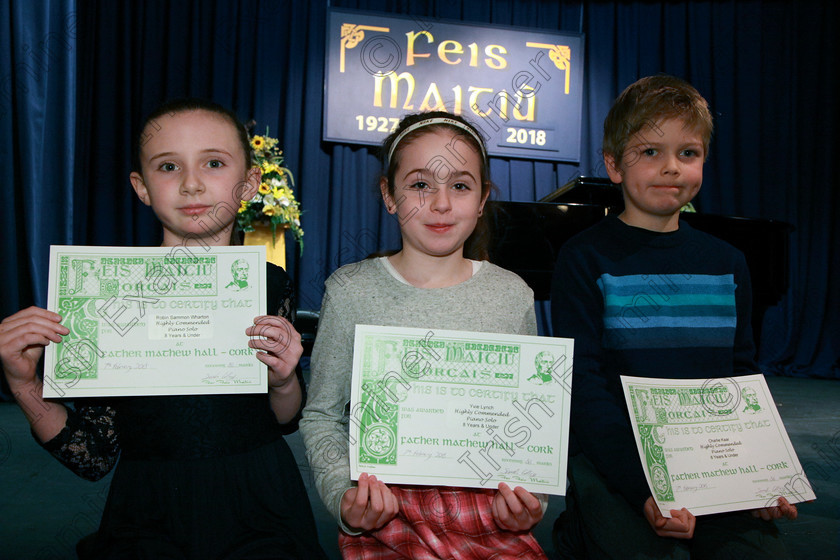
pixel 441 523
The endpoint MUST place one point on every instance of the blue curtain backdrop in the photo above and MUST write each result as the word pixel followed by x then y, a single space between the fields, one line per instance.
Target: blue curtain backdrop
pixel 76 81
pixel 37 143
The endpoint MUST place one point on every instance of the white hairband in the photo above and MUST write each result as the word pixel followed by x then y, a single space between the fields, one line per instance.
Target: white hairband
pixel 438 120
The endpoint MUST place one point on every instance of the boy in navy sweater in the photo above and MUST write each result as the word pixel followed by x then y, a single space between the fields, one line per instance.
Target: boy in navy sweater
pixel 643 294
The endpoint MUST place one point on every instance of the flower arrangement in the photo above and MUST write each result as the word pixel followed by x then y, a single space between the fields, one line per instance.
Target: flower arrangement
pixel 274 204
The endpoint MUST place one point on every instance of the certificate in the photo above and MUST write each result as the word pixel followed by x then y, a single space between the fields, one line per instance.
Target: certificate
pixel 155 320
pixel 713 445
pixel 451 408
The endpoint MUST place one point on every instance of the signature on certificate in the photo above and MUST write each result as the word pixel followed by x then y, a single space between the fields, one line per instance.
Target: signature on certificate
pixel 228 378
pixel 768 492
pixel 519 472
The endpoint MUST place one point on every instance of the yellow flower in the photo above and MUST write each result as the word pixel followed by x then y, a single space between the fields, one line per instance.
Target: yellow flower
pixel 258 142
pixel 275 196
pixel 243 205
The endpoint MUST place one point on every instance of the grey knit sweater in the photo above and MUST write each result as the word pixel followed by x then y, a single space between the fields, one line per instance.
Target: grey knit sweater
pixel 493 300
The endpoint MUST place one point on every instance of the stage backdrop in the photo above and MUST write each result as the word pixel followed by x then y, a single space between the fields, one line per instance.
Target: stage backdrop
pixel 522 88
pixel 75 81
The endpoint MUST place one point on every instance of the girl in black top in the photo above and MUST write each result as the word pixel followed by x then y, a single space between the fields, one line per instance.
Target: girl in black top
pixel 200 477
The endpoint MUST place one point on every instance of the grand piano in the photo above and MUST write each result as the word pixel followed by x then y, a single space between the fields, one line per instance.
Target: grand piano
pixel 526 237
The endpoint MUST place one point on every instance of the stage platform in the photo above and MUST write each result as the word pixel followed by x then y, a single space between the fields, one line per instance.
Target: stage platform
pixel 45 509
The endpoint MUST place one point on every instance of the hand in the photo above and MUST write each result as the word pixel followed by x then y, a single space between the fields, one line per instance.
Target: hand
pixel 783 509
pixel 680 526
pixel 23 337
pixel 368 506
pixel 279 345
pixel 517 509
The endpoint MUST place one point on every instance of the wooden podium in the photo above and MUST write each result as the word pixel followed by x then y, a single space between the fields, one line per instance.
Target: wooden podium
pixel 275 249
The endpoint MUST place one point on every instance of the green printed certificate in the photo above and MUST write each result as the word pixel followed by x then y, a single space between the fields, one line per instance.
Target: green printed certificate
pixel 713 445
pixel 451 408
pixel 155 321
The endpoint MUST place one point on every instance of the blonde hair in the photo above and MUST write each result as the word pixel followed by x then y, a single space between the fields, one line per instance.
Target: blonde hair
pixel 651 100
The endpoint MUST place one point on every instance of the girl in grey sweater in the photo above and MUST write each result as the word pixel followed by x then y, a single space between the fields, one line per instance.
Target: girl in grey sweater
pixel 436 183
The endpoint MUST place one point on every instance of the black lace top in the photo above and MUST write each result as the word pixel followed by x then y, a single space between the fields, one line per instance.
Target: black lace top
pixel 172 427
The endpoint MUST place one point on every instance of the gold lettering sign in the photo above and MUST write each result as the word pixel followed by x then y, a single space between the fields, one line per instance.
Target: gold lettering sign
pixel 521 88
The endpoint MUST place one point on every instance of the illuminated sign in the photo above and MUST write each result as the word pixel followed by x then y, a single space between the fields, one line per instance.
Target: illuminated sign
pixel 522 88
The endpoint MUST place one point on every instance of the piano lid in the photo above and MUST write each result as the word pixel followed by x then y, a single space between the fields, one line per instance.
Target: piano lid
pixel 589 190
pixel 525 237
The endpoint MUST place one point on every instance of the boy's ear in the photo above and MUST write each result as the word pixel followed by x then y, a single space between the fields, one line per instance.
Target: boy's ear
pixel 390 205
pixel 140 187
pixel 251 184
pixel 613 171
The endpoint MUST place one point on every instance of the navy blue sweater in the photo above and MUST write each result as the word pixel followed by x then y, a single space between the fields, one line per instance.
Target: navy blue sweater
pixel 647 304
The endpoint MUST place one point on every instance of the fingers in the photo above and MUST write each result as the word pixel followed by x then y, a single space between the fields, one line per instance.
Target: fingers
pixel 788 509
pixel 354 503
pixel 377 503
pixel 361 501
pixel 531 503
pixel 769 514
pixel 274 335
pixel 680 518
pixel 22 340
pixel 783 509
pixel 31 312
pixel 511 500
pixel 504 508
pixel 393 506
pixel 382 501
pixel 680 526
pixel 516 510
pixel 368 506
pixel 279 346
pixel 653 515
pixel 33 320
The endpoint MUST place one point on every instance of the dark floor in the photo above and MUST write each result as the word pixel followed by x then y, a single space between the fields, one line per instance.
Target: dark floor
pixel 44 509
